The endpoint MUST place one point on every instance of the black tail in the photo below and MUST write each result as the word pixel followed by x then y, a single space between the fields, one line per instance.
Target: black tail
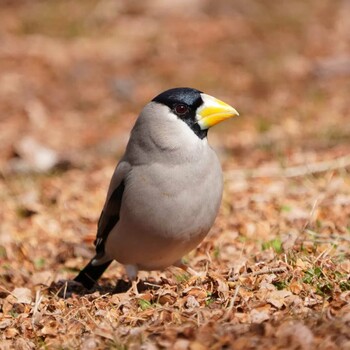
pixel 89 275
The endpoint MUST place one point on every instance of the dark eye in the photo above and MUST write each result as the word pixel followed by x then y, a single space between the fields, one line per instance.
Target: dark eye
pixel 181 109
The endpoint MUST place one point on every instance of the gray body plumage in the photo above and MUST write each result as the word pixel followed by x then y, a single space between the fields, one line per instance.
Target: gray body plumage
pixel 166 190
pixel 172 193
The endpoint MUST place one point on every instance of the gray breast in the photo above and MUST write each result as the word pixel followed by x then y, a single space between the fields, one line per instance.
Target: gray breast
pixel 166 211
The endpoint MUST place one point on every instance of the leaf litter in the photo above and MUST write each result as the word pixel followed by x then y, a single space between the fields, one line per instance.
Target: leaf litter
pixel 274 271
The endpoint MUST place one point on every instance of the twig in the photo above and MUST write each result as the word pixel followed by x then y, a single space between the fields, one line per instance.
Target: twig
pixel 323 254
pixel 6 290
pixel 294 171
pixel 321 236
pixel 257 273
pixel 152 285
pixel 232 303
pixel 320 241
pixel 38 300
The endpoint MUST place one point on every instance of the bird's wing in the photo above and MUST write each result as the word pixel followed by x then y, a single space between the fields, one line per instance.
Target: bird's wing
pixel 110 213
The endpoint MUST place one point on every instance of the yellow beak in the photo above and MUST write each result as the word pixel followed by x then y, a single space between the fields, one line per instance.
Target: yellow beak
pixel 213 111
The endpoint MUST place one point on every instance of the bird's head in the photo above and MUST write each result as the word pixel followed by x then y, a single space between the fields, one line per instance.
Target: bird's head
pixel 197 109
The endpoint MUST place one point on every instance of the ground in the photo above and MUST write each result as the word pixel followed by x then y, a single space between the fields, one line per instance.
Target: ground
pixel 274 270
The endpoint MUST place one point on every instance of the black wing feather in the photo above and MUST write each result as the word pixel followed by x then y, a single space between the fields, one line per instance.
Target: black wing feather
pixel 108 219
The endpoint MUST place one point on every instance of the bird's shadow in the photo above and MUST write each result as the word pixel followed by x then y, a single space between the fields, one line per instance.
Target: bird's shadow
pixel 66 288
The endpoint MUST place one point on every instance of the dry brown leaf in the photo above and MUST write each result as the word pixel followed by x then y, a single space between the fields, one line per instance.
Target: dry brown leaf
pixel 167 298
pixel 90 343
pixel 197 346
pixel 191 302
pixel 286 181
pixel 50 328
pixel 302 264
pixel 146 296
pixel 198 293
pixel 181 344
pixel 295 287
pixel 23 295
pixel 22 344
pixel 312 301
pixel 10 333
pixel 43 277
pixel 345 266
pixel 5 323
pixel 260 314
pixel 277 298
pixel 104 333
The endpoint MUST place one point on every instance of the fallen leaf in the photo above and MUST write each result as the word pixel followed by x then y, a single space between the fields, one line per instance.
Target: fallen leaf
pixel 276 298
pixel 167 298
pixel 191 302
pixel 296 287
pixel 24 344
pixel 5 323
pixel 198 293
pixel 34 156
pixel 197 346
pixel 260 314
pixel 50 328
pixel 42 277
pixel 10 333
pixel 181 344
pixel 23 295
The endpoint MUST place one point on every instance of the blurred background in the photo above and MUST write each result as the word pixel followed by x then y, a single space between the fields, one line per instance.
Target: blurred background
pixel 75 74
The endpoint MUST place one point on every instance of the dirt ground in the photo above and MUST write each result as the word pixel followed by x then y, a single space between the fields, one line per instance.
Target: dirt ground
pixel 275 268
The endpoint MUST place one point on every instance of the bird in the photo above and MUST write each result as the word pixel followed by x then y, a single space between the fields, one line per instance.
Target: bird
pixel 166 190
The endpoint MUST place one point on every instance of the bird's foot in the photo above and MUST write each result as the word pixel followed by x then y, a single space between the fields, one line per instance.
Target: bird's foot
pixel 133 287
pixel 132 271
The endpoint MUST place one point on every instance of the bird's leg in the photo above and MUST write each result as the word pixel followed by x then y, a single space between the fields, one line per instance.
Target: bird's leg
pixel 131 271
